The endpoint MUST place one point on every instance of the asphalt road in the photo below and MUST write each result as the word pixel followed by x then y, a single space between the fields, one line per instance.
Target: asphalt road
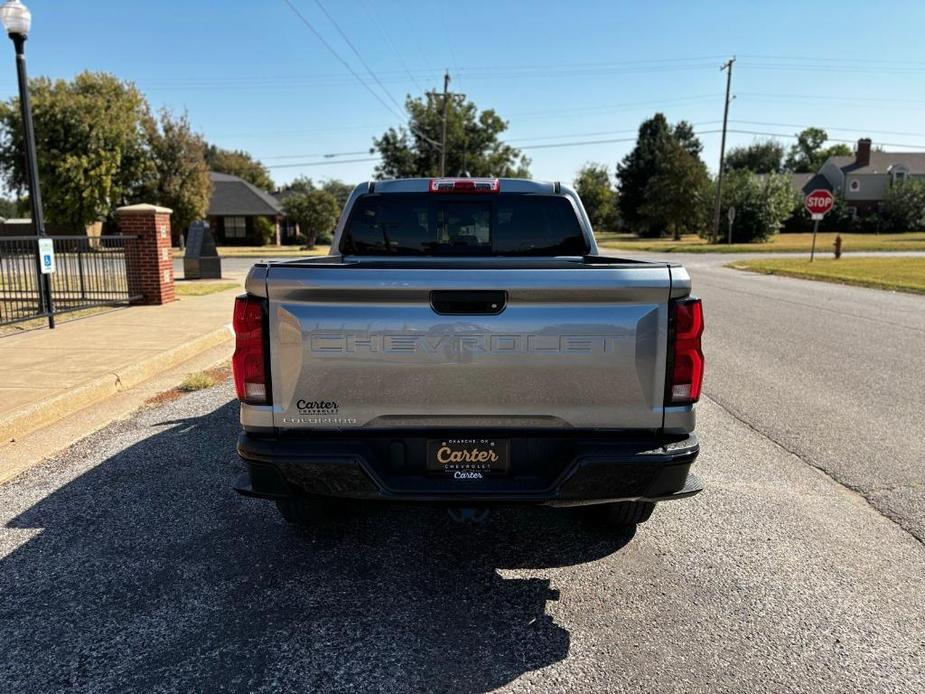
pixel 832 373
pixel 126 563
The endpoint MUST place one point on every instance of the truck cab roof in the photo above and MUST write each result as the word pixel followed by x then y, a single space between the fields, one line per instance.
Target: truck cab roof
pixel 491 191
pixel 423 185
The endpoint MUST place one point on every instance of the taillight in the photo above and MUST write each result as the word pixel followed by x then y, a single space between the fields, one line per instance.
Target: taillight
pixel 248 363
pixel 686 377
pixel 465 185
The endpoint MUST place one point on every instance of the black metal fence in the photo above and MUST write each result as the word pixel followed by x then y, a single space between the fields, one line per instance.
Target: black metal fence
pixel 89 271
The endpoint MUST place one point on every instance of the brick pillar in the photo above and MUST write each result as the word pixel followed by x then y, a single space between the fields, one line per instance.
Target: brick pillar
pixel 149 258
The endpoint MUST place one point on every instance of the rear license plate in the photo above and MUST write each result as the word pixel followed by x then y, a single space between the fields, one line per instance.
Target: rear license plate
pixel 469 455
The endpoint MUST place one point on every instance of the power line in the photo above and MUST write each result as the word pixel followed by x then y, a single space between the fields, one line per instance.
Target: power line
pixel 446 35
pixel 830 139
pixel 697 62
pixel 357 54
pixel 831 60
pixel 830 97
pixel 337 55
pixel 472 73
pixel 582 143
pixel 544 71
pixel 323 155
pixel 368 69
pixel 319 163
pixel 828 127
pixel 553 145
pixel 599 132
pixel 536 142
pixel 520 116
pixel 614 107
pixel 858 66
pixel 532 142
pixel 371 11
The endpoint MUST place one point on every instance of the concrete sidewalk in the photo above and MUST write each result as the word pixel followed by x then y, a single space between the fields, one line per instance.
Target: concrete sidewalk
pixel 46 374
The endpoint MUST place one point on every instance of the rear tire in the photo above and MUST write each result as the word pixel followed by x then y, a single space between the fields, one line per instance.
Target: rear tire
pixel 304 511
pixel 622 514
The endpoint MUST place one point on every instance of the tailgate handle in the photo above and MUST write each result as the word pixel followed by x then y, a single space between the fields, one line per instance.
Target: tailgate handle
pixel 468 302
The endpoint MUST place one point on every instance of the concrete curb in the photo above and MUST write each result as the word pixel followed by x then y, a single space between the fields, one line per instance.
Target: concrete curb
pixel 47 411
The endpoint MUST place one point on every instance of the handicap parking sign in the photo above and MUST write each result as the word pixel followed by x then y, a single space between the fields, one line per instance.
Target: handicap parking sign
pixel 47 256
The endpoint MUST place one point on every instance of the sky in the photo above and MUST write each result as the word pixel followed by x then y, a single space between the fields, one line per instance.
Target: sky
pixel 574 80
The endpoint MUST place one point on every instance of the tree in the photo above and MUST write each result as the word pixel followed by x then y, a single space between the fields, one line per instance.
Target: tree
pixel 238 163
pixel 762 156
pixel 300 184
pixel 634 172
pixel 598 196
pixel 684 133
pixel 90 140
pixel 473 139
pixel 674 197
pixel 340 190
pixel 807 155
pixel 180 177
pixel 315 212
pixel 659 149
pixel 762 204
pixel 8 208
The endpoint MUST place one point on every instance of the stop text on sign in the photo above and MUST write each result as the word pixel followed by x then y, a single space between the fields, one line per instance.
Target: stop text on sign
pixel 819 202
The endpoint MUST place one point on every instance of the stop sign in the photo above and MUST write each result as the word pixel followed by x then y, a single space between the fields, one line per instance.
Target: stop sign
pixel 818 202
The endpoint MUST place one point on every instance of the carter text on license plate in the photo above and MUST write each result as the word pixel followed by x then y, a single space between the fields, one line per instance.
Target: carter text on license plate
pixel 468 455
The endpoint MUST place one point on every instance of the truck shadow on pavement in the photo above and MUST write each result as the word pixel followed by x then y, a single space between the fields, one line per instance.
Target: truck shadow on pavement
pixel 150 573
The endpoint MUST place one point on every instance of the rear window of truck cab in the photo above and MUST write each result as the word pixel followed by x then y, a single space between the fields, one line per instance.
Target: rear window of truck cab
pixel 512 224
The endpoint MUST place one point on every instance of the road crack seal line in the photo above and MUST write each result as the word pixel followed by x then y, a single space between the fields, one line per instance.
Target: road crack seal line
pixel 825 473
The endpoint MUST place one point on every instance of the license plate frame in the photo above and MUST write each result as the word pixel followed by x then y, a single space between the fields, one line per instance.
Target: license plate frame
pixel 477 454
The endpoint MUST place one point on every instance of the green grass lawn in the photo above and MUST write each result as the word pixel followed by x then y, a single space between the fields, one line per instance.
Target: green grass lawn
pixel 690 243
pixel 903 274
pixel 782 243
pixel 200 288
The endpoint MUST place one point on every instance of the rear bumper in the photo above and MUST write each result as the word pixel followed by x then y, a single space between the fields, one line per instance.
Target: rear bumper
pixel 559 470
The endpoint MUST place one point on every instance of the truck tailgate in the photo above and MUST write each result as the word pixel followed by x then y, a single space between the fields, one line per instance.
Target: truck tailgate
pixel 355 347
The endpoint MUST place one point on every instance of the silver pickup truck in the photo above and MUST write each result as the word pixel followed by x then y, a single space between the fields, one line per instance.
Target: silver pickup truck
pixel 465 343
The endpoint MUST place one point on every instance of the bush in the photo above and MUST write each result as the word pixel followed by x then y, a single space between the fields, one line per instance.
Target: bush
pixel 762 204
pixel 264 230
pixel 905 208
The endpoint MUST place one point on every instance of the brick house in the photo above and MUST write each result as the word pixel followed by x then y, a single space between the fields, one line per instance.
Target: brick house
pixel 235 206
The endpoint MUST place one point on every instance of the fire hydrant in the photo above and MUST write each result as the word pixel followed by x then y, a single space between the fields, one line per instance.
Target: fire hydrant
pixel 837 246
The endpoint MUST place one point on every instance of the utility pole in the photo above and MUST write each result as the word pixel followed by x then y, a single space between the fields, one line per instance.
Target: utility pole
pixel 446 102
pixel 722 149
pixel 446 96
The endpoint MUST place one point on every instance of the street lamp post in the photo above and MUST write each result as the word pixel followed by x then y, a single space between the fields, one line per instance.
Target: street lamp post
pixel 17 20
